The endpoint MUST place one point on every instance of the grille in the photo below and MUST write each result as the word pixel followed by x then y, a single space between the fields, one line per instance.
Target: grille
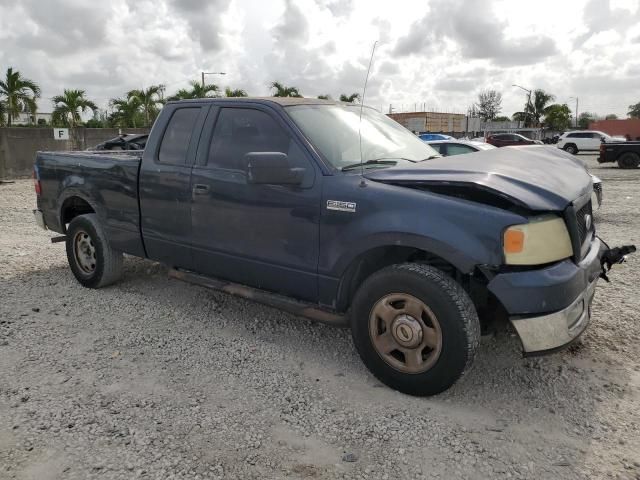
pixel 583 231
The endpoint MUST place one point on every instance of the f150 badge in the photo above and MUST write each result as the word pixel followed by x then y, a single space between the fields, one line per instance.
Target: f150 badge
pixel 341 206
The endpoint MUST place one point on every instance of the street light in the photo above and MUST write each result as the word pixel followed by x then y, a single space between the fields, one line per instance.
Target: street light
pixel 526 112
pixel 576 99
pixel 210 73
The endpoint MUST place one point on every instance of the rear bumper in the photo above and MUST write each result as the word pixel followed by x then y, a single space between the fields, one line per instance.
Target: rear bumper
pixel 39 218
pixel 550 307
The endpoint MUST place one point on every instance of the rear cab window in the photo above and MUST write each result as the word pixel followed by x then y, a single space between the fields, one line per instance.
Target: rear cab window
pixel 177 136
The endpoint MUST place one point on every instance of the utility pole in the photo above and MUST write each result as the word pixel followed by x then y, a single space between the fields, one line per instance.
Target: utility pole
pixel 526 110
pixel 576 99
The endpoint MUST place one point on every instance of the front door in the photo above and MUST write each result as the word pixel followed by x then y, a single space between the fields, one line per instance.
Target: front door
pixel 265 236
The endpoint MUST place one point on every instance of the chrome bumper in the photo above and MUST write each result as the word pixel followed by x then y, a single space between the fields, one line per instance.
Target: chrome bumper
pixel 39 219
pixel 556 330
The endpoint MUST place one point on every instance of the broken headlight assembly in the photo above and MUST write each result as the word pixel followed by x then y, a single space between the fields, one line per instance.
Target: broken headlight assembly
pixel 543 240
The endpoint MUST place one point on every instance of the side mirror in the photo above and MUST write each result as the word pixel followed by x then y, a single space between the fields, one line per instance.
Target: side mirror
pixel 272 168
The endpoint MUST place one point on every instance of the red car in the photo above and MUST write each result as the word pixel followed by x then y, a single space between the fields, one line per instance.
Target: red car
pixel 506 139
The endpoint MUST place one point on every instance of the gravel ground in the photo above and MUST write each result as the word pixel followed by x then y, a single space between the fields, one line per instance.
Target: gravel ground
pixel 154 378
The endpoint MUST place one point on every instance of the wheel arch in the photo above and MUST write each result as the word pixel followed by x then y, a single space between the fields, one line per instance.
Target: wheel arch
pixel 373 259
pixel 74 204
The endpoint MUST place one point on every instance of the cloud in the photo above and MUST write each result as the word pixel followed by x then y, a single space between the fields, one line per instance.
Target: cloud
pixel 204 18
pixel 476 36
pixel 338 8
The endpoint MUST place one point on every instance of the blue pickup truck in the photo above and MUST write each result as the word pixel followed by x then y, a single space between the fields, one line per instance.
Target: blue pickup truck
pixel 341 215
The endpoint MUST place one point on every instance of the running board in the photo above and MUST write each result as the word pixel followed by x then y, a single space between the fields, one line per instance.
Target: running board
pixel 280 302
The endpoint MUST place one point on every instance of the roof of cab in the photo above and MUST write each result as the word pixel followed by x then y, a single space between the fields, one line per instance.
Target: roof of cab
pixel 283 101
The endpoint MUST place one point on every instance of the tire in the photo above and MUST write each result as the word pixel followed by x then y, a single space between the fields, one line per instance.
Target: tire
pixel 447 321
pixel 571 148
pixel 91 259
pixel 629 160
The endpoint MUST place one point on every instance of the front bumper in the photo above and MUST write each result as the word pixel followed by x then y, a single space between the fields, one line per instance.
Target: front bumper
pixel 550 307
pixel 547 333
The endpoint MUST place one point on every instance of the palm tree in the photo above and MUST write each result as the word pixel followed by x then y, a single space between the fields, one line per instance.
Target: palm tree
pixel 235 93
pixel 3 111
pixel 353 98
pixel 69 105
pixel 126 112
pixel 536 108
pixel 282 91
pixel 19 94
pixel 148 100
pixel 196 91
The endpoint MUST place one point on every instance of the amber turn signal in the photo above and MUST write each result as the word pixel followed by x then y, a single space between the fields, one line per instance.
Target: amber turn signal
pixel 513 241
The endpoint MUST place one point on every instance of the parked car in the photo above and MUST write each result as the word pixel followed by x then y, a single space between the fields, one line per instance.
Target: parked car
pixel 282 201
pixel 584 141
pixel 127 141
pixel 627 154
pixel 508 139
pixel 428 137
pixel 458 147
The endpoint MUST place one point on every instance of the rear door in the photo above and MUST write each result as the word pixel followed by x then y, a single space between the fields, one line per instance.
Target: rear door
pixel 265 236
pixel 165 184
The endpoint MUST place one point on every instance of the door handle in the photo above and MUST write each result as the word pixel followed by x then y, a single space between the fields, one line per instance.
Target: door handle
pixel 200 189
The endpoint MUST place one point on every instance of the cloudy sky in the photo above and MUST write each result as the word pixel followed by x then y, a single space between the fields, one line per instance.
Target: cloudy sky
pixel 439 53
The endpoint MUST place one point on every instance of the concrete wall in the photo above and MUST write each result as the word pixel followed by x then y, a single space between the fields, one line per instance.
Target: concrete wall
pixel 628 126
pixel 18 146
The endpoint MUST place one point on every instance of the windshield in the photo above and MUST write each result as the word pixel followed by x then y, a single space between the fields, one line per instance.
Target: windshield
pixel 333 129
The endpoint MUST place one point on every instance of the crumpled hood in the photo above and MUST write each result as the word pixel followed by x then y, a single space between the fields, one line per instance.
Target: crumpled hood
pixel 537 177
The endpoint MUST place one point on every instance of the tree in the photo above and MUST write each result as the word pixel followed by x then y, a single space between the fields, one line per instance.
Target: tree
pixel 126 112
pixel 3 112
pixel 538 105
pixel 611 116
pixel 585 118
pixel 68 107
pixel 502 118
pixel 489 104
pixel 228 92
pixel 197 91
pixel 148 101
pixel 353 98
pixel 18 94
pixel 324 97
pixel 557 117
pixel 283 91
pixel 535 109
pixel 634 110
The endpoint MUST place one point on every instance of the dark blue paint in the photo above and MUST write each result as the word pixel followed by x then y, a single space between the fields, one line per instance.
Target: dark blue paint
pixel 282 238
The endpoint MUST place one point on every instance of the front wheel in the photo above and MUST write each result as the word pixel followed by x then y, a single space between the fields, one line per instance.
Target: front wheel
pixel 415 328
pixel 91 259
pixel 571 148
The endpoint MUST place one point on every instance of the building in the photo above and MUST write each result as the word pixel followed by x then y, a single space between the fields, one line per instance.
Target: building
pixel 450 123
pixel 28 119
pixel 459 124
pixel 628 127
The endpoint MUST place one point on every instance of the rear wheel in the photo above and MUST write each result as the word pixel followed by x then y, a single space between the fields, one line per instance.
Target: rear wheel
pixel 91 259
pixel 629 160
pixel 571 148
pixel 415 328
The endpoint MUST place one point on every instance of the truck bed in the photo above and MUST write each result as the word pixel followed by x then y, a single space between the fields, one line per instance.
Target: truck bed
pixel 106 180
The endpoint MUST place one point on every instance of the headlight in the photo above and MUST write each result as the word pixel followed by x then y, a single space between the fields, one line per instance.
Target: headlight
pixel 544 239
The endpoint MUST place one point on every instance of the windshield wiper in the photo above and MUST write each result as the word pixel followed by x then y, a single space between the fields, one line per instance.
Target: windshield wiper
pixel 431 157
pixel 378 161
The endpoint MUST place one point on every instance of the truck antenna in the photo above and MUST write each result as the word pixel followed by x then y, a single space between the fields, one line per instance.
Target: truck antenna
pixel 364 91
